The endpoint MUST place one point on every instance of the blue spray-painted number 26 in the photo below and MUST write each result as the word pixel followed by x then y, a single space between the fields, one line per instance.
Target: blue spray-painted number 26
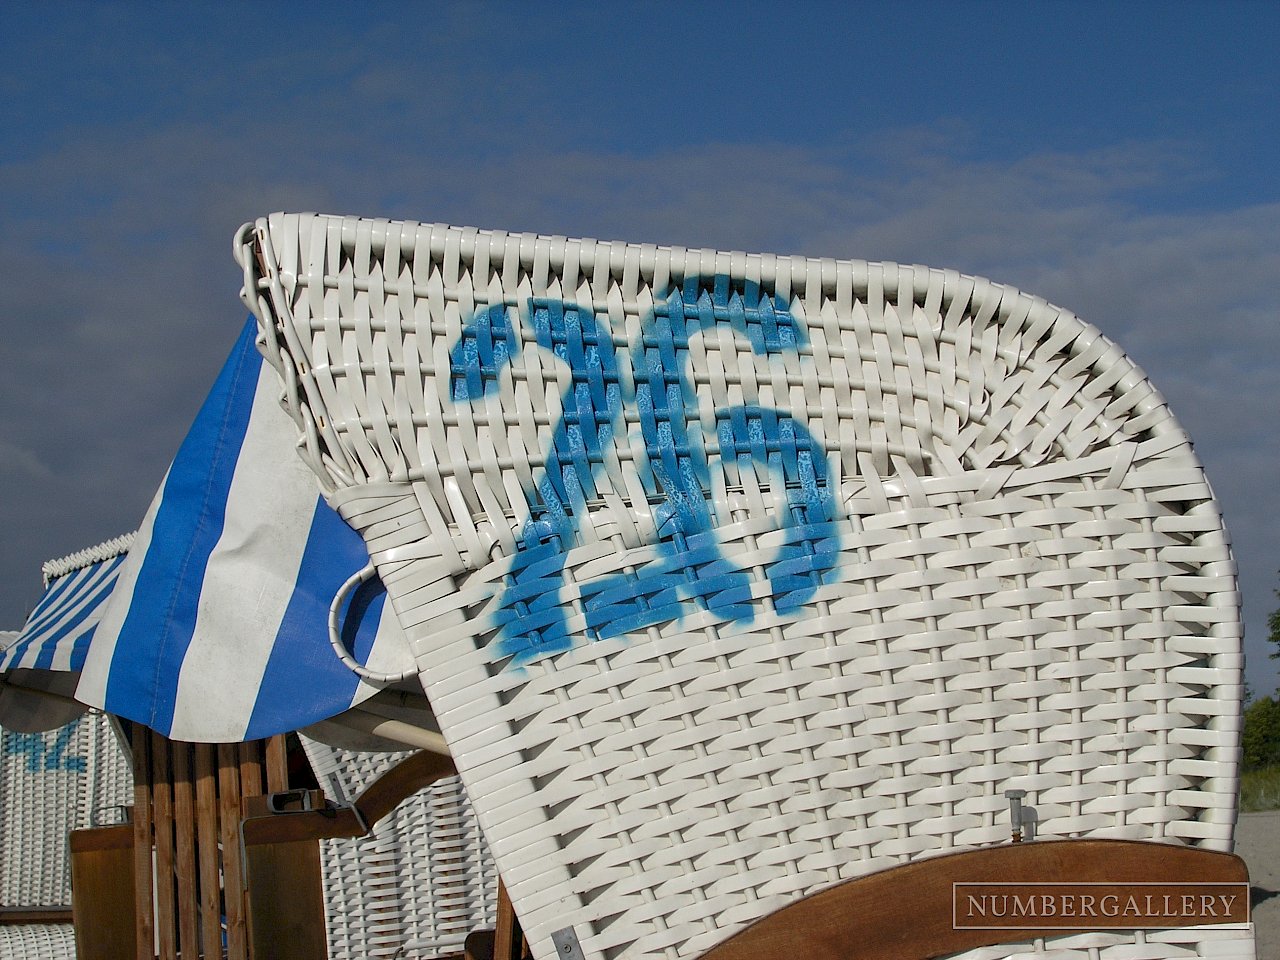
pixel 689 567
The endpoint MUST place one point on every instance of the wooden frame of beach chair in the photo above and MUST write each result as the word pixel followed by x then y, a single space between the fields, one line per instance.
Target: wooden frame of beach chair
pixel 732 578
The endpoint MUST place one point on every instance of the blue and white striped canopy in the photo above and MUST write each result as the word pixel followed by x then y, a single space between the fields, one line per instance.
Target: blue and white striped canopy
pixel 57 634
pixel 217 626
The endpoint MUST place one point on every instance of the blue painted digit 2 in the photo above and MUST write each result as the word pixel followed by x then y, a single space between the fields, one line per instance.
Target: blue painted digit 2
pixel 688 566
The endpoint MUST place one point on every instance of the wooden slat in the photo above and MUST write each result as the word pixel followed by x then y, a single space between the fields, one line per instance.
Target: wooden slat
pixel 250 768
pixel 905 913
pixel 13 915
pixel 277 763
pixel 184 821
pixel 207 849
pixel 144 920
pixel 162 813
pixel 232 867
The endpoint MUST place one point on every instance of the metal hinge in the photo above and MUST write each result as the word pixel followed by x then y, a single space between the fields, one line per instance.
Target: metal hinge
pixel 567 946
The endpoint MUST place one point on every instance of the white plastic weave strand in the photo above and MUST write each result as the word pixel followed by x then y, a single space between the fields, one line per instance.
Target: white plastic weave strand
pixel 733 576
pixel 419 883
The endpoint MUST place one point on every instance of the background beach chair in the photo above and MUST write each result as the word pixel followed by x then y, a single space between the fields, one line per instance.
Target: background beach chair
pixel 419 882
pixel 52 783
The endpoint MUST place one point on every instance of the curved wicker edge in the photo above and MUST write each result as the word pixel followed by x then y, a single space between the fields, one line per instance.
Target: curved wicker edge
pixel 632 266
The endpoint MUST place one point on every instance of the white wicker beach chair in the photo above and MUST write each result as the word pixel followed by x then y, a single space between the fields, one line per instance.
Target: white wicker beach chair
pixel 50 784
pixel 419 882
pixel 733 577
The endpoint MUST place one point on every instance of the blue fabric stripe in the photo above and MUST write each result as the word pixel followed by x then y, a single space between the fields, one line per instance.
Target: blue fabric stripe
pixel 143 678
pixel 80 649
pixel 301 660
pixel 49 645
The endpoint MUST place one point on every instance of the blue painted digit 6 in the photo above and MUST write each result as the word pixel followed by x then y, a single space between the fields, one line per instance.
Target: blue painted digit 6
pixel 690 564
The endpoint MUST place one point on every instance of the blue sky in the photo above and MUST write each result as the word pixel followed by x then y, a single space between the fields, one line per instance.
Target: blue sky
pixel 1120 160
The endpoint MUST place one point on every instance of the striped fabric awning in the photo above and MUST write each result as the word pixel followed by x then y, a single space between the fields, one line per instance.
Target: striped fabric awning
pixel 216 629
pixel 58 631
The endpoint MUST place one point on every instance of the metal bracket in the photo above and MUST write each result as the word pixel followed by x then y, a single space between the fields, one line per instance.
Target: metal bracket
pixel 567 946
pixel 120 814
pixel 290 801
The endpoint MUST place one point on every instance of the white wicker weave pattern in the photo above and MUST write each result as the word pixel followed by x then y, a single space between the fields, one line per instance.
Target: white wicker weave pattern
pixel 50 784
pixel 1184 943
pixel 38 941
pixel 419 883
pixel 732 576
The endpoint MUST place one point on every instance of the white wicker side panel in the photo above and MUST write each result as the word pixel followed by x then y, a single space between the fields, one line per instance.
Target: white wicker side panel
pixel 50 784
pixel 420 883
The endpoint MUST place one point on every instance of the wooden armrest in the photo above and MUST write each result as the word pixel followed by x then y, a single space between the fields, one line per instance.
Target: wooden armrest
pixel 906 912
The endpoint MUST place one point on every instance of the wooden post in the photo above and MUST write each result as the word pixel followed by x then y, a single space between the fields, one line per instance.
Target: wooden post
pixel 207 847
pixel 250 769
pixel 144 920
pixel 162 807
pixel 277 763
pixel 232 866
pixel 184 821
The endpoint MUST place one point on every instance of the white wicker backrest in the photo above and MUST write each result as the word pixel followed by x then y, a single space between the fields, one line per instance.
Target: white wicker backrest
pixel 419 883
pixel 50 784
pixel 732 576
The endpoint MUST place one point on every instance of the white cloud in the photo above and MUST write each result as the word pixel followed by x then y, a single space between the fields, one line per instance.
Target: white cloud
pixel 121 295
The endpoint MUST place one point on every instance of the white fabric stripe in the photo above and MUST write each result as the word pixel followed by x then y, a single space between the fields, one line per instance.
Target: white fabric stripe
pixel 97 665
pixel 268 516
